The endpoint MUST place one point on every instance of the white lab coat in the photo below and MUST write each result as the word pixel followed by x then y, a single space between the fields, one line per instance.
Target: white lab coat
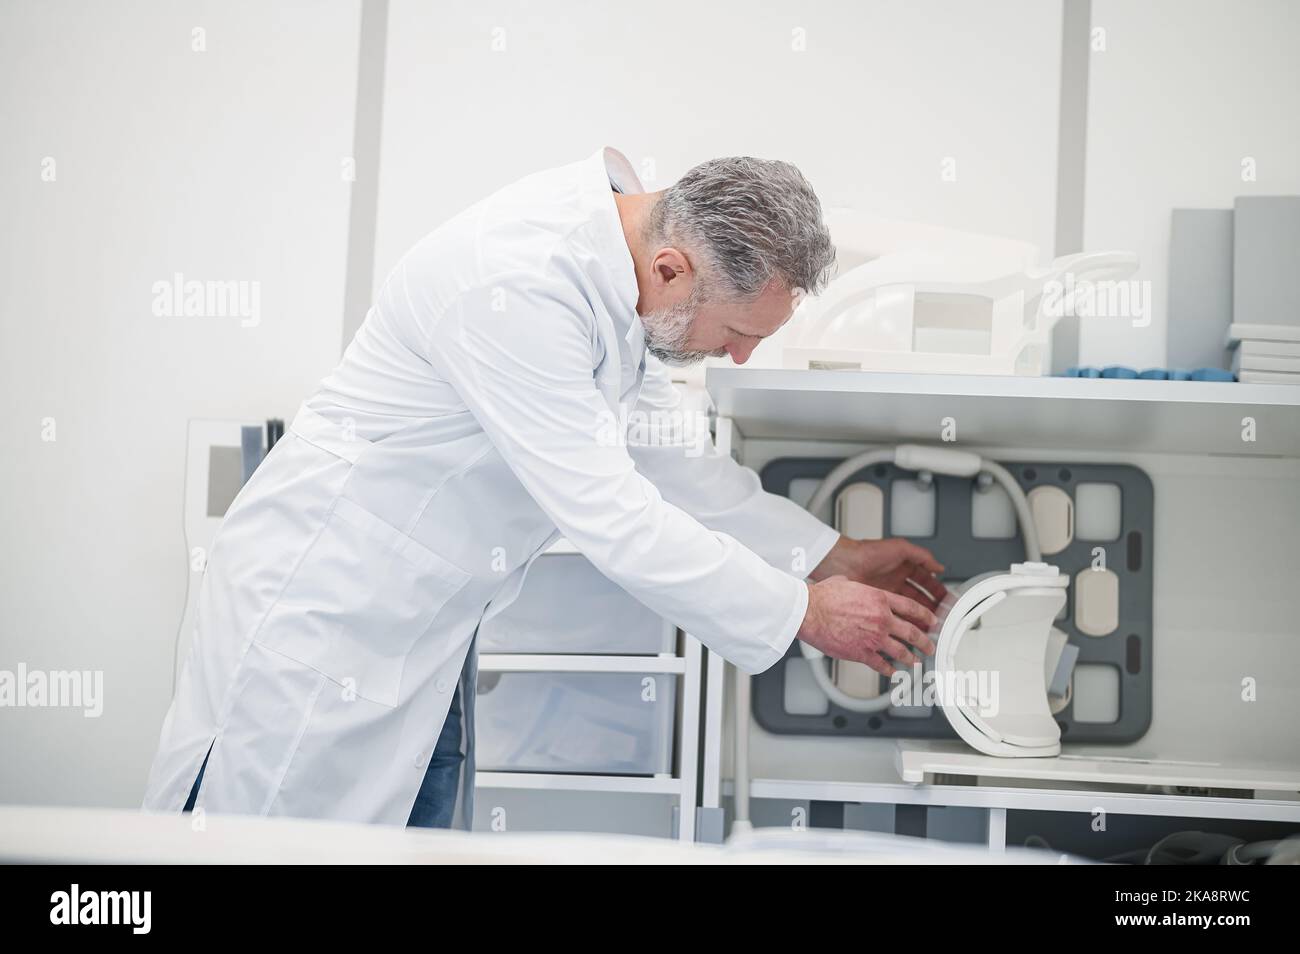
pixel 467 425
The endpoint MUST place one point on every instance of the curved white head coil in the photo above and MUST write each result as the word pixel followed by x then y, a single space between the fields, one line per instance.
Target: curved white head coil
pixel 990 658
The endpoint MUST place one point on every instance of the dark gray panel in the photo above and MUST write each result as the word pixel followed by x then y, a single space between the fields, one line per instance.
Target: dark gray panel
pixel 1128 649
pixel 252 451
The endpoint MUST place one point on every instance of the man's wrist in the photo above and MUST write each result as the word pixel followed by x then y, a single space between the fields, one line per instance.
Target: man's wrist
pixel 838 561
pixel 812 615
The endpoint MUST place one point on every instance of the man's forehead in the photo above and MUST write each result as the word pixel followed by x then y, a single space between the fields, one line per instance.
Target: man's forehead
pixel 774 306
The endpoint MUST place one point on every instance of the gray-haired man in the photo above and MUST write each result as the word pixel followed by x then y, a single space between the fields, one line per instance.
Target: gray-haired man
pixel 482 410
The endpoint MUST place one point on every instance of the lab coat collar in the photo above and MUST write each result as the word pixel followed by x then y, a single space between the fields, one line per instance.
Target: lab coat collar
pixel 636 334
pixel 620 174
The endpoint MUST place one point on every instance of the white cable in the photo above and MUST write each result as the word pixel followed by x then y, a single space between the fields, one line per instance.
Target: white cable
pixel 842 472
pixel 831 483
pixel 1028 532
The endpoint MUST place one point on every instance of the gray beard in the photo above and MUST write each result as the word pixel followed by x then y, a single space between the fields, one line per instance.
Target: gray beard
pixel 666 333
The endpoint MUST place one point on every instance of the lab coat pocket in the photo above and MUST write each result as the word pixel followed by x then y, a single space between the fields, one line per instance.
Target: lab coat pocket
pixel 362 596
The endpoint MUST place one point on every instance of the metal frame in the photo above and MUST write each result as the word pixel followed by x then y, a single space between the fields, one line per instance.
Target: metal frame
pixel 686 664
pixel 998 801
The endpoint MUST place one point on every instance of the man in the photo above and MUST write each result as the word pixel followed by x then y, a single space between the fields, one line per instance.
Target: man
pixel 332 673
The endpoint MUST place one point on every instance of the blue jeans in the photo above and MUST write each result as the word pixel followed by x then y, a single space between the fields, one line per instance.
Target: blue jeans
pixel 194 789
pixel 436 802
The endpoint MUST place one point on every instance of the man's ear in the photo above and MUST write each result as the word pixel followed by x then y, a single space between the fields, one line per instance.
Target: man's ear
pixel 671 269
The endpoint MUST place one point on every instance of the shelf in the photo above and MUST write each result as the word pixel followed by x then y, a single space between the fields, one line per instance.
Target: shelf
pixel 919 760
pixel 1025 799
pixel 1182 417
pixel 649 785
pixel 546 662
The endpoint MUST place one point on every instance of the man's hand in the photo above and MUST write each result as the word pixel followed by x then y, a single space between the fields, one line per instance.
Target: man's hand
pixel 848 620
pixel 895 565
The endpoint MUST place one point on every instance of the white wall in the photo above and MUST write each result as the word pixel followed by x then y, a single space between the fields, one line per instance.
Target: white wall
pixel 224 164
pixel 883 92
pixel 1184 90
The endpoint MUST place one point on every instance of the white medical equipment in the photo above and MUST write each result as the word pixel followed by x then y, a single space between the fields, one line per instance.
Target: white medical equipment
pixel 926 299
pixel 1002 626
pixel 39 835
pixel 995 623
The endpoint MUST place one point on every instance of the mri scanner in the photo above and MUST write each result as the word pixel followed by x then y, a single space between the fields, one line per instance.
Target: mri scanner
pixel 927 299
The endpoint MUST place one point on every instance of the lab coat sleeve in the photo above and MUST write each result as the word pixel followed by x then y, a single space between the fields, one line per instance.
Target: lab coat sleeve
pixel 674 450
pixel 521 356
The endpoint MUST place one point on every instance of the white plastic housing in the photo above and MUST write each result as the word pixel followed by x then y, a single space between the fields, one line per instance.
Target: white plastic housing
pixel 999 630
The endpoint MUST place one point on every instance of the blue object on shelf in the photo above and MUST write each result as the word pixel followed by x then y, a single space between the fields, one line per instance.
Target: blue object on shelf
pixel 1152 374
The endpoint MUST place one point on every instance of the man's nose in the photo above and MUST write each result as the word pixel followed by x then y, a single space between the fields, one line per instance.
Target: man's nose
pixel 740 352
